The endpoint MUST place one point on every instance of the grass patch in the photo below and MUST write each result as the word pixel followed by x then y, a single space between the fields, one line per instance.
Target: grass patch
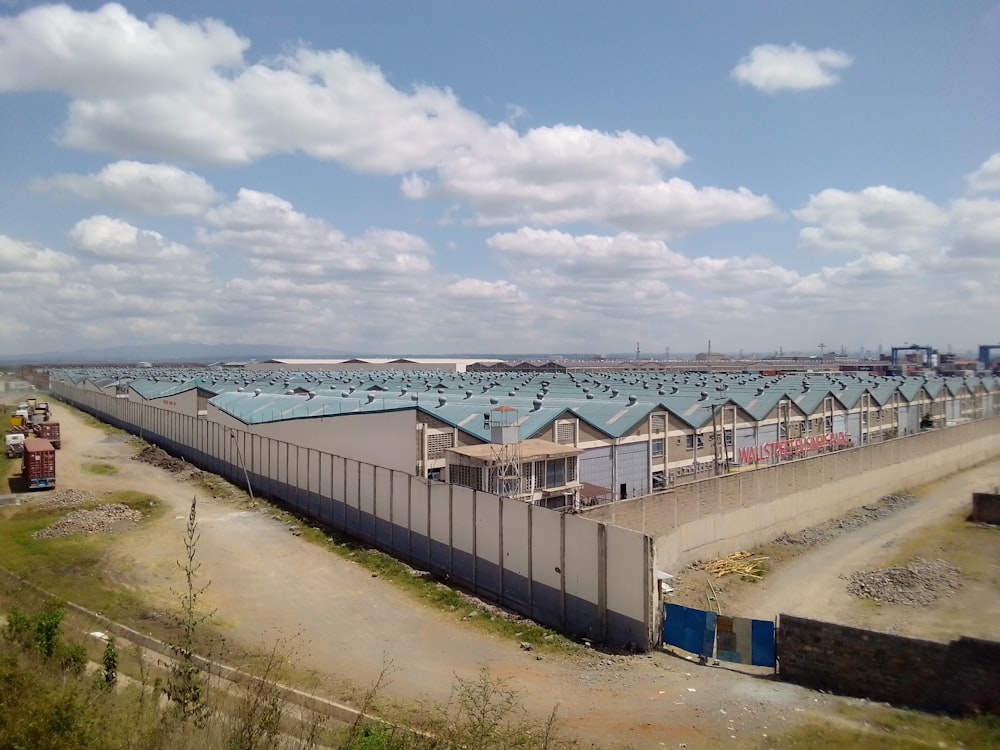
pixel 954 540
pixel 71 567
pixel 874 728
pixel 100 469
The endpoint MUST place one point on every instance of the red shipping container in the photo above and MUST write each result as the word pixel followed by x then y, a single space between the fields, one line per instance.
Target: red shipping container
pixel 38 464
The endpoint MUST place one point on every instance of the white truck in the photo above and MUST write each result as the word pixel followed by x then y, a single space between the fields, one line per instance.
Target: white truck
pixel 13 443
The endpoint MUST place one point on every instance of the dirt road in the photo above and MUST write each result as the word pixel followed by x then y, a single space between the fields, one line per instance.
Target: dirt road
pixel 813 584
pixel 267 583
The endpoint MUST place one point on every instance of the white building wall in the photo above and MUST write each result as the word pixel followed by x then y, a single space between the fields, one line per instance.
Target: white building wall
pixel 384 439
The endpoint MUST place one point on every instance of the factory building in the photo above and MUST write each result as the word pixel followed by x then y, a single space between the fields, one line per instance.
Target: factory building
pixel 617 435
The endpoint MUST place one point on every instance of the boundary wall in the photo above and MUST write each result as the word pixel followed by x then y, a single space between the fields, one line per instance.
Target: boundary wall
pixel 959 677
pixel 721 515
pixel 581 577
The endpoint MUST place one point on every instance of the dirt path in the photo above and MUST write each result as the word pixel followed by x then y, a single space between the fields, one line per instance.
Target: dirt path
pixel 267 583
pixel 813 584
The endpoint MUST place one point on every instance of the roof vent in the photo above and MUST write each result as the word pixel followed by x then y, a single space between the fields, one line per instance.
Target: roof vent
pixel 468 394
pixel 590 396
pixel 760 392
pixel 442 400
pixel 632 400
pixel 312 394
pixel 290 392
pixel 614 394
pixel 345 394
pixel 540 394
pixel 661 392
pixel 371 397
pixel 414 397
pixel 494 401
pixel 511 393
pixel 674 389
pixel 536 404
pixel 703 396
pixel 256 392
pixel 240 389
pixel 402 392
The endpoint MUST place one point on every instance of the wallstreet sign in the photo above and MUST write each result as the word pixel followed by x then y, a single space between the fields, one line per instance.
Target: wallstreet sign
pixel 796 447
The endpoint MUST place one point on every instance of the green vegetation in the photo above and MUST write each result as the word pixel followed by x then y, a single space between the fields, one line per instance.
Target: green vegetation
pixel 874 728
pixel 70 567
pixel 51 700
pixel 100 469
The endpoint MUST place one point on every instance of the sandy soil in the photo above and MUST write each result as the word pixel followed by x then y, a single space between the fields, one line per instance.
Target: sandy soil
pixel 813 584
pixel 267 583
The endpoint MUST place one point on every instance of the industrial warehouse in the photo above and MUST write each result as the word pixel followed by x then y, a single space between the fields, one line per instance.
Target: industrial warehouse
pixel 573 439
pixel 563 496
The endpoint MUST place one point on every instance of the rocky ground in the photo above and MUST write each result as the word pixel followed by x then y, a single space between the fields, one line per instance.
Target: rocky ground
pixel 920 583
pixel 104 519
pixel 159 458
pixel 857 518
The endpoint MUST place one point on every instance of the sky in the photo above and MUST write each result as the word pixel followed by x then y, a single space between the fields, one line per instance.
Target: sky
pixel 492 178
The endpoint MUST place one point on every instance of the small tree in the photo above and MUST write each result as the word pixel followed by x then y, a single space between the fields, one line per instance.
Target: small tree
pixel 110 662
pixel 187 685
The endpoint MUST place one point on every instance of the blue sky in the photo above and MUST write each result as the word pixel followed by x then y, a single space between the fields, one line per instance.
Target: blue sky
pixel 462 177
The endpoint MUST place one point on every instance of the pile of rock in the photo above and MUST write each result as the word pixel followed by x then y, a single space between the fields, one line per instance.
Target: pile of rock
pixel 160 458
pixel 103 519
pixel 61 498
pixel 920 583
pixel 858 517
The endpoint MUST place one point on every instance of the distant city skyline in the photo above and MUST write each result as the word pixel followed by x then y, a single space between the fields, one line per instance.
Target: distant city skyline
pixel 518 176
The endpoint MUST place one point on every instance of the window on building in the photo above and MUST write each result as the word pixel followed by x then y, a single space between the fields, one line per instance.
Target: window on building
pixel 437 442
pixel 727 437
pixel 566 432
pixel 467 476
pixel 659 480
pixel 693 440
pixel 570 469
pixel 555 473
pixel 657 448
pixel 658 423
pixel 435 474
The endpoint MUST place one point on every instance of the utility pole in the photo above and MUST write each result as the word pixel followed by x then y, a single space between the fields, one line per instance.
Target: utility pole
pixel 821 348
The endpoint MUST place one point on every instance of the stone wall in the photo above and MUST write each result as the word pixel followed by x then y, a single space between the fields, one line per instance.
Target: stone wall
pixel 960 677
pixel 986 507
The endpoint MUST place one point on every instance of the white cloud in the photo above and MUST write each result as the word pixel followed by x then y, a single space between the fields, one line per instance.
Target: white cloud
pixel 986 179
pixel 772 68
pixel 154 189
pixel 108 53
pixel 183 92
pixel 111 239
pixel 282 241
pixel 566 174
pixel 16 255
pixel 876 219
pixel 977 229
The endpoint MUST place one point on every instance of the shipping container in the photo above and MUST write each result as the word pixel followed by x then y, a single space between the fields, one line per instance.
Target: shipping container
pixel 38 467
pixel 50 431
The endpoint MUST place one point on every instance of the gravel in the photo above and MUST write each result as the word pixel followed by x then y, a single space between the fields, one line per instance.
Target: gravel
pixel 158 457
pixel 61 498
pixel 103 519
pixel 857 518
pixel 920 583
